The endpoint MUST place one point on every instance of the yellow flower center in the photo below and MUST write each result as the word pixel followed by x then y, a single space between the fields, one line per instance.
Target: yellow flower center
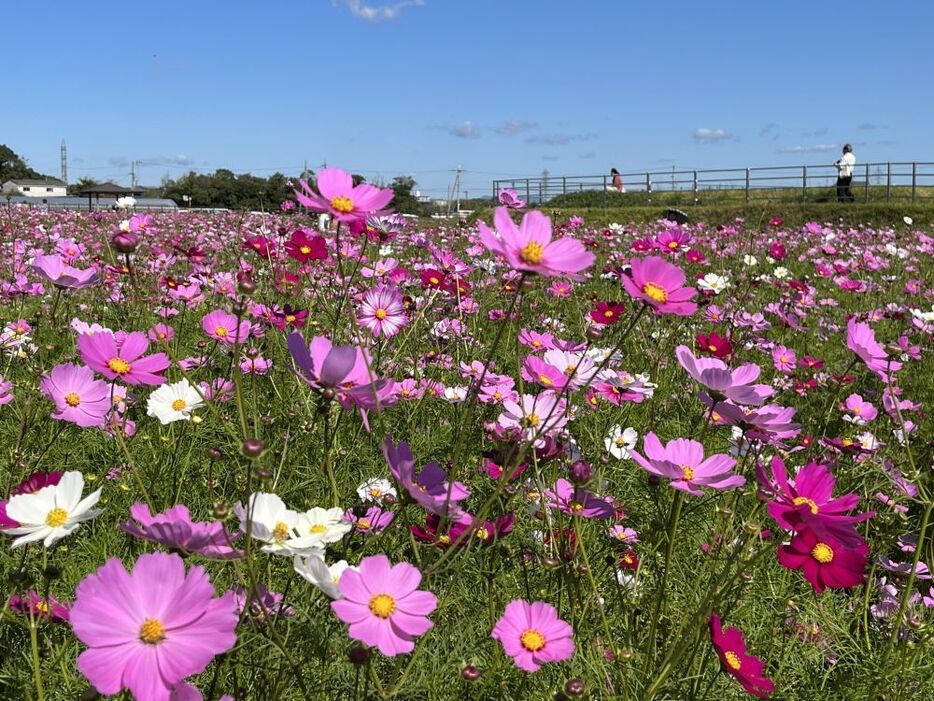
pixel 483 533
pixel 655 292
pixel 856 410
pixel 220 331
pixel 732 660
pixel 823 553
pixel 804 500
pixel 382 605
pixel 42 607
pixel 363 524
pixel 532 253
pixel 672 245
pixel 433 280
pixel 305 249
pixel 56 517
pixel 531 421
pixel 342 204
pixel 687 472
pixel 179 404
pixel 532 640
pixel 620 441
pixel 375 492
pixel 118 365
pixel 608 313
pixel 72 399
pixel 444 539
pixel 536 344
pixel 290 318
pixel 545 380
pixel 576 507
pixel 380 314
pixel 318 528
pixel 281 532
pixel 152 631
pixel 712 348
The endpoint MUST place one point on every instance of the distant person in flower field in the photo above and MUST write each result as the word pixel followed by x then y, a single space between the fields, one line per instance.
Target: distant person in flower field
pixel 617 184
pixel 845 165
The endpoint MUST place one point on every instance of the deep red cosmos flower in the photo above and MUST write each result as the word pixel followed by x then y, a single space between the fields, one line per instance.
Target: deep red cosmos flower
pixel 606 313
pixel 824 561
pixel 745 668
pixel 714 344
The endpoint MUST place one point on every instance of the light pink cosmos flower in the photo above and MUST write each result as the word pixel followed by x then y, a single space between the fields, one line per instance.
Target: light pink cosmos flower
pixel 784 359
pixel 577 501
pixel 173 528
pixel 682 461
pixel 337 195
pixel 56 271
pixel 858 410
pixel 149 629
pixel 530 248
pixel 735 385
pixel 382 311
pixel 430 488
pixel 124 361
pixel 536 417
pixel 861 339
pixel 79 398
pixel 660 284
pixel 533 635
pixel 6 391
pixel 384 606
pixel 222 326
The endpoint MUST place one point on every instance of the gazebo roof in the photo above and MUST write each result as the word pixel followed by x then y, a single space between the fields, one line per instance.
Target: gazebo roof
pixel 110 189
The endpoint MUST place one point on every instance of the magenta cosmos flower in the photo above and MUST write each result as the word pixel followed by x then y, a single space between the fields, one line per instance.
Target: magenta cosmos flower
pixel 125 360
pixel 338 196
pixel 384 606
pixel 79 398
pixel 54 269
pixel 745 668
pixel 30 485
pixel 533 635
pixel 530 248
pixel 223 327
pixel 174 529
pixel 381 311
pixel 430 488
pixel 682 461
pixel 660 284
pixel 824 561
pixel 861 339
pixel 149 629
pixel 735 385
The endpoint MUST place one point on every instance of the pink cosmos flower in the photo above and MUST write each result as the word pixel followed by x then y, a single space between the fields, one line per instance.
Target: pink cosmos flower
pixel 824 561
pixel 735 385
pixel 78 397
pixel 858 410
pixel 533 635
pixel 735 661
pixel 536 417
pixel 174 529
pixel 660 284
pixel 186 692
pixel 222 327
pixel 54 269
pixel 861 339
pixel 32 604
pixel 383 605
pixel 769 423
pixel 784 359
pixel 160 333
pixel 530 248
pixel 509 198
pixel 337 195
pixel 577 501
pixel 124 361
pixel 149 629
pixel 382 312
pixel 429 488
pixel 682 461
pixel 6 391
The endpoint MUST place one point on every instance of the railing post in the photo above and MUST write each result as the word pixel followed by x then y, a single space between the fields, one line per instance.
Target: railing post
pixel 804 182
pixel 540 200
pixel 564 185
pixel 495 190
pixel 747 184
pixel 528 191
pixel 648 186
pixel 914 180
pixel 694 187
pixel 866 184
pixel 888 181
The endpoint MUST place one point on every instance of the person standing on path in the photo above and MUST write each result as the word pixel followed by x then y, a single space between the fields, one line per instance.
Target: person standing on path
pixel 617 185
pixel 845 165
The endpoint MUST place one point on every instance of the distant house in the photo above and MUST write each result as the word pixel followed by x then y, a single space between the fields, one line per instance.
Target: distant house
pixel 47 187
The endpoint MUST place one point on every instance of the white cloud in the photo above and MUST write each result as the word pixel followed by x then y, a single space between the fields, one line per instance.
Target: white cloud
pixel 379 13
pixel 560 139
pixel 511 127
pixel 815 148
pixel 710 136
pixel 465 130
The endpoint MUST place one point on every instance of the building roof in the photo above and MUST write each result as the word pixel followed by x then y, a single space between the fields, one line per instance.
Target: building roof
pixel 110 189
pixel 28 182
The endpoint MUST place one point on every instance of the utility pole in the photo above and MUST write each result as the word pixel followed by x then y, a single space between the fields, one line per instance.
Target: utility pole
pixel 133 174
pixel 64 163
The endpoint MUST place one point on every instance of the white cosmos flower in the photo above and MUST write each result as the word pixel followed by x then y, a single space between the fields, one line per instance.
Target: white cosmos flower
pixel 270 522
pixel 376 489
pixel 326 577
pixel 174 402
pixel 53 512
pixel 316 528
pixel 455 394
pixel 908 220
pixel 781 272
pixel 126 202
pixel 750 261
pixel 711 282
pixel 620 442
pixel 923 315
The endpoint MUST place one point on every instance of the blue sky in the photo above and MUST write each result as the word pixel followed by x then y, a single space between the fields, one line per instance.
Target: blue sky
pixel 500 87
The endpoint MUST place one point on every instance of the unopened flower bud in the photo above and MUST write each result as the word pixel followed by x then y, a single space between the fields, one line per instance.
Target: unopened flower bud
pixel 470 673
pixel 253 447
pixel 580 472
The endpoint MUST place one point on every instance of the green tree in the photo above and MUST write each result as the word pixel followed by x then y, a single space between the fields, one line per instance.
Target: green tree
pixel 12 167
pixel 82 183
pixel 403 201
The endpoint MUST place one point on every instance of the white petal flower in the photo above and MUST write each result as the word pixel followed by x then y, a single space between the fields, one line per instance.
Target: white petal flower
pixel 174 402
pixel 711 282
pixel 619 443
pixel 270 522
pixel 316 528
pixel 326 577
pixel 53 512
pixel 376 489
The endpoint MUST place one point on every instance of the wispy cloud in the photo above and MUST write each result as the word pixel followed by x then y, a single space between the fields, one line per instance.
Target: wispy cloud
pixel 813 148
pixel 870 126
pixel 379 13
pixel 560 139
pixel 465 130
pixel 770 129
pixel 124 162
pixel 511 127
pixel 710 136
pixel 550 158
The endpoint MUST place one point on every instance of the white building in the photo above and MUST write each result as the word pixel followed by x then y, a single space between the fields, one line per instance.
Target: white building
pixel 36 188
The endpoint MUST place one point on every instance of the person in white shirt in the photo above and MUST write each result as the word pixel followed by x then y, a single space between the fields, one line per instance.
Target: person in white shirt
pixel 845 165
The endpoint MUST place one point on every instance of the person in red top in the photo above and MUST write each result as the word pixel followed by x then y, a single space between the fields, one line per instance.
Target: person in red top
pixel 617 185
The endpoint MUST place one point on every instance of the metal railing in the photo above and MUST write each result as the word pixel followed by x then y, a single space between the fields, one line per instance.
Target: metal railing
pixel 871 181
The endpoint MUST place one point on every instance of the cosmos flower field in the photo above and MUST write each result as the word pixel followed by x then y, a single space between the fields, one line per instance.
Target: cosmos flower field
pixel 264 456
